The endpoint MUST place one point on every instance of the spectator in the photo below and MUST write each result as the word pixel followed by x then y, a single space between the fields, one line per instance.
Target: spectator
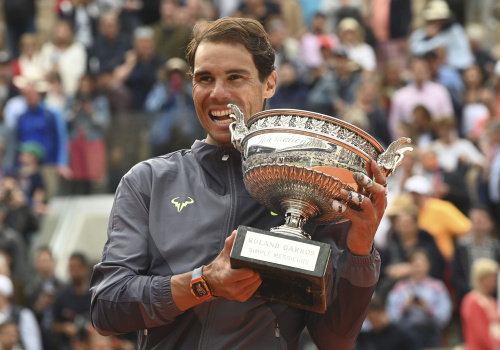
pixel 336 88
pixel 139 70
pixel 391 24
pixel 292 92
pixel 407 237
pixel 72 303
pixel 442 31
pixel 9 336
pixel 482 57
pixel 367 99
pixel 447 76
pixel 421 91
pixel 64 56
pixel 6 89
pixel 287 48
pixel 260 10
pixel 351 38
pixel 19 216
pixel 45 126
pixel 40 292
pixel 457 159
pixel 479 309
pixel 440 218
pixel 83 16
pixel 88 117
pixel 175 126
pixel 291 13
pixel 110 45
pixel 14 247
pixel 451 149
pixel 492 150
pixel 314 39
pixel 29 63
pixel 30 177
pixel 383 333
pixel 423 126
pixel 20 18
pixel 479 243
pixel 421 304
pixel 29 331
pixel 475 111
pixel 390 82
pixel 171 37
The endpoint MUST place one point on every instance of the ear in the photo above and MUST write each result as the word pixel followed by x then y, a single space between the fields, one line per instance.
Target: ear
pixel 270 85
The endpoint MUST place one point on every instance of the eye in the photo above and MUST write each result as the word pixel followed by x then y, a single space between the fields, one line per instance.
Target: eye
pixel 235 77
pixel 205 79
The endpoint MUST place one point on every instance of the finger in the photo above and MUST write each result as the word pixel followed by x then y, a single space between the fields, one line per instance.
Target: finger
pixel 247 292
pixel 352 197
pixel 368 184
pixel 228 244
pixel 377 174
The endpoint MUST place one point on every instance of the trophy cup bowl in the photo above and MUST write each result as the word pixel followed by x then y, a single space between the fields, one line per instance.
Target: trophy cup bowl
pixel 295 163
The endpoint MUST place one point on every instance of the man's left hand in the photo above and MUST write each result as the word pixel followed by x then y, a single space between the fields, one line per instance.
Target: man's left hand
pixel 371 197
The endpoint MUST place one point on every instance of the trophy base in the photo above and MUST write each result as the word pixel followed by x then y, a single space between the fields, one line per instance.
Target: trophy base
pixel 294 271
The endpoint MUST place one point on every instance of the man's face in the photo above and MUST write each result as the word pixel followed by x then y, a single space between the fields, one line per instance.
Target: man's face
pixel 420 71
pixel 44 263
pixel 77 270
pixel 225 73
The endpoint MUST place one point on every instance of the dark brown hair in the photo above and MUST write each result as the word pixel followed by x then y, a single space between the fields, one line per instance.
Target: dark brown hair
pixel 248 32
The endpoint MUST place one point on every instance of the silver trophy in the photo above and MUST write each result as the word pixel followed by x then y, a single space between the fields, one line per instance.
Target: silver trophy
pixel 295 164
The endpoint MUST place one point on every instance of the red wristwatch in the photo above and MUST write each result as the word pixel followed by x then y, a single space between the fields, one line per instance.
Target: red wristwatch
pixel 199 285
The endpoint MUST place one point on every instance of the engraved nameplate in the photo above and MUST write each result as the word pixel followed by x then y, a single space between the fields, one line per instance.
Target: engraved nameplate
pixel 280 251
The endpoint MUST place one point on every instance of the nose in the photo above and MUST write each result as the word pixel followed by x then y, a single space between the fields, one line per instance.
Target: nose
pixel 220 91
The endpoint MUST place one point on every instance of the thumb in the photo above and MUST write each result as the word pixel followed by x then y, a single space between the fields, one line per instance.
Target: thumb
pixel 228 245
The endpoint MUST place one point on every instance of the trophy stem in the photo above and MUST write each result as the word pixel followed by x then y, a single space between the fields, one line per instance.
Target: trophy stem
pixel 296 214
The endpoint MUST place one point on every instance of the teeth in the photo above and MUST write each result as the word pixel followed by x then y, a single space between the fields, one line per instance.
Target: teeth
pixel 224 121
pixel 222 113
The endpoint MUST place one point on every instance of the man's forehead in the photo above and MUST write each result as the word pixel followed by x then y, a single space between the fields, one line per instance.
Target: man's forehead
pixel 213 60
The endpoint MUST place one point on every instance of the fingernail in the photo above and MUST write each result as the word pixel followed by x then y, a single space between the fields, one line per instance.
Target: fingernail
pixel 362 180
pixel 344 192
pixel 338 207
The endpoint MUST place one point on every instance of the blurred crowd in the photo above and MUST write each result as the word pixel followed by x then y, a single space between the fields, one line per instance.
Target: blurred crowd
pixel 110 87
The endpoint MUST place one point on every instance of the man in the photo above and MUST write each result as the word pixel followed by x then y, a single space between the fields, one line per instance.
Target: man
pixel 71 305
pixel 421 91
pixel 442 31
pixel 479 243
pixel 110 45
pixel 47 127
pixel 29 331
pixel 143 282
pixel 40 291
pixel 438 217
pixel 139 70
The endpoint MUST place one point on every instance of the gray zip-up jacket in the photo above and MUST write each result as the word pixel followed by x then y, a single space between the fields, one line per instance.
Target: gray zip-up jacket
pixel 171 215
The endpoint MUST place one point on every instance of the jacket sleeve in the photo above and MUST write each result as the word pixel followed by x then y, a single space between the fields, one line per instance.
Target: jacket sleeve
pixel 355 278
pixel 124 298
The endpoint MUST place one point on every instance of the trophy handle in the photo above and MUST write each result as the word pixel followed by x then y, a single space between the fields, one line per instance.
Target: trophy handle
pixel 393 156
pixel 237 128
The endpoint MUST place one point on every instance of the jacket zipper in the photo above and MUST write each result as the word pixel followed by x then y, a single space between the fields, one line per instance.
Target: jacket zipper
pixel 207 329
pixel 277 334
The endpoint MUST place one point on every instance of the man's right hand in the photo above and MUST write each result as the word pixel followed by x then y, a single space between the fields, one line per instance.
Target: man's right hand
pixel 229 283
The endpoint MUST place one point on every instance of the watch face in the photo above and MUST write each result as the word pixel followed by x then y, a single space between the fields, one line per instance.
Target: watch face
pixel 200 289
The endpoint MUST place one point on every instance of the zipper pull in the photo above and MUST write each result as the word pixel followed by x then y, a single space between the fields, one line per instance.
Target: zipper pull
pixel 277 331
pixel 225 157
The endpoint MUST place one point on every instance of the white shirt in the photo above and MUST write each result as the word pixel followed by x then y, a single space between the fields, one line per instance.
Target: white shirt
pixel 449 155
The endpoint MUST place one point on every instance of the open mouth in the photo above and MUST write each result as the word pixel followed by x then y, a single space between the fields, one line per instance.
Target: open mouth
pixel 222 116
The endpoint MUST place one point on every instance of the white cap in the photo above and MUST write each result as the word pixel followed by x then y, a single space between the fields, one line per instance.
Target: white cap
pixel 436 9
pixel 6 287
pixel 418 184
